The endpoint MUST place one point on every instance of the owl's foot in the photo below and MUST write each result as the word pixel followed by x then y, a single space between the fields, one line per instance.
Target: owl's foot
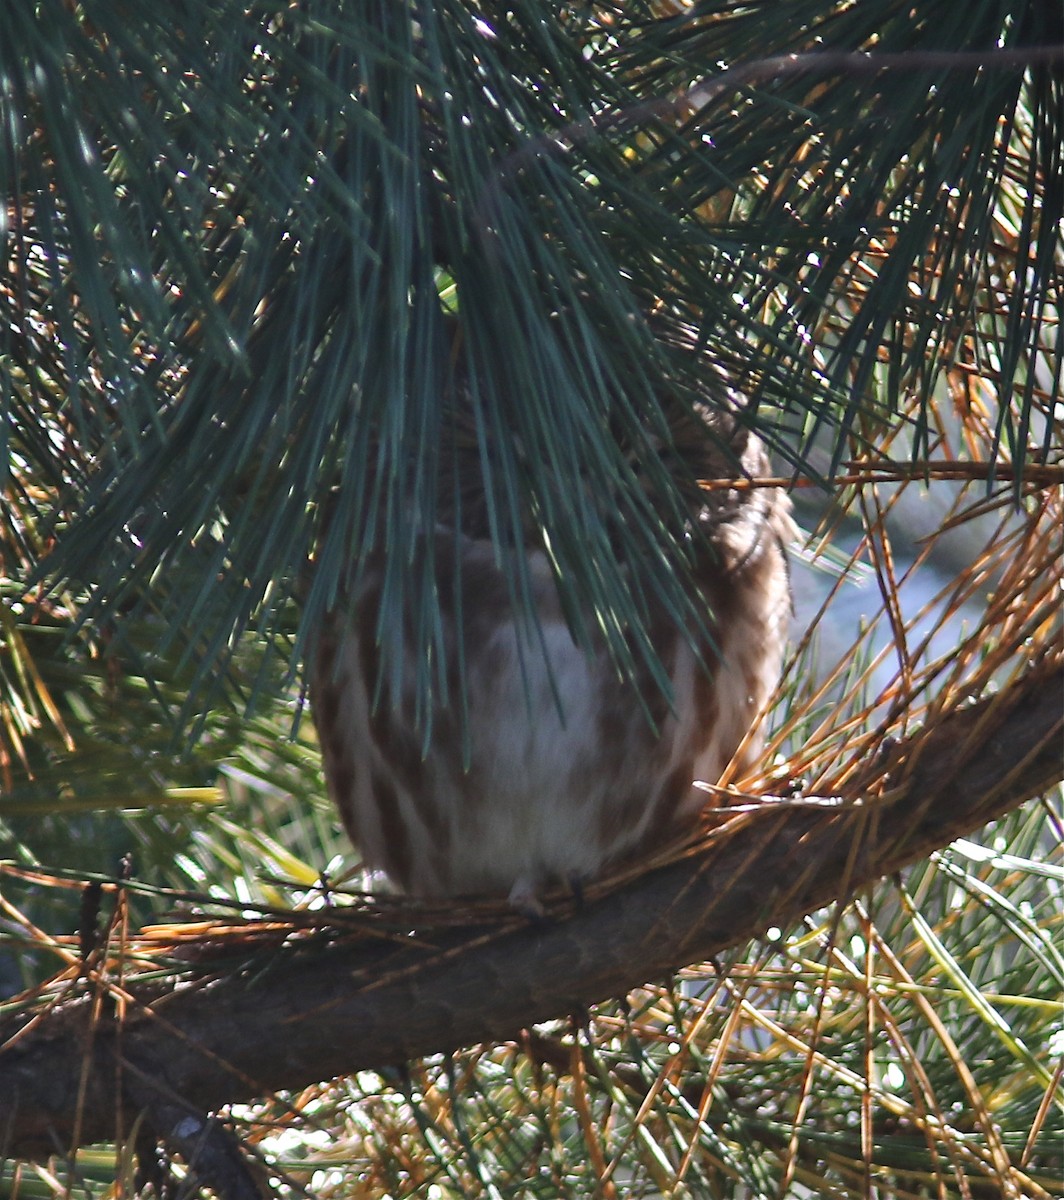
pixel 524 898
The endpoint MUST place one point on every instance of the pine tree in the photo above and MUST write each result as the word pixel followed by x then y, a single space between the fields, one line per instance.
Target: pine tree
pixel 237 242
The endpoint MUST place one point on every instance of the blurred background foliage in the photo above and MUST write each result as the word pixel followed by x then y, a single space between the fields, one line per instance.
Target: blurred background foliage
pixel 235 241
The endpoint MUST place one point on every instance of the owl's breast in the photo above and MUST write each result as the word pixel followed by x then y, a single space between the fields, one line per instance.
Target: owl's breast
pixel 553 766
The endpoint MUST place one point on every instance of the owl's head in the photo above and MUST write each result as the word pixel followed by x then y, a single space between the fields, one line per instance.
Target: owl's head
pixel 622 461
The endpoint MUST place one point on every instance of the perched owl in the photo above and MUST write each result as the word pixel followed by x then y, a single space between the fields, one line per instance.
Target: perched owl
pixel 566 767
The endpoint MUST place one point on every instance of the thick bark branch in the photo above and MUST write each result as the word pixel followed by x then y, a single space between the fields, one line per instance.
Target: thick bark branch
pixel 311 1013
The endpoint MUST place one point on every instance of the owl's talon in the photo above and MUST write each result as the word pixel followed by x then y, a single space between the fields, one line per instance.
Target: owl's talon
pixel 523 899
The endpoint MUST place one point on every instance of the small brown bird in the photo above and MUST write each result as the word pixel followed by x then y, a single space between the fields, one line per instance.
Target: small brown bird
pixel 562 767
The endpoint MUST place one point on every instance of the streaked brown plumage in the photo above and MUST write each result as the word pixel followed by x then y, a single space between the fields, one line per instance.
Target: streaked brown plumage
pixel 548 795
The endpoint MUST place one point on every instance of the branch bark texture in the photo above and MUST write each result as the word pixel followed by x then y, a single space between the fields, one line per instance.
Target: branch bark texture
pixel 304 1014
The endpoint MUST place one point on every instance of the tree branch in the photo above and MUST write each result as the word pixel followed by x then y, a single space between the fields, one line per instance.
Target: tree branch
pixel 311 1011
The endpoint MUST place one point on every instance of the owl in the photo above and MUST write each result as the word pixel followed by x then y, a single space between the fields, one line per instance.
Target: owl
pixel 551 765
